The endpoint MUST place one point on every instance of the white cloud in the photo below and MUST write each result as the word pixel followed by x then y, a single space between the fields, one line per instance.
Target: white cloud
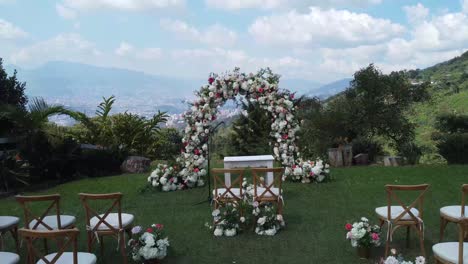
pixel 318 26
pixel 124 49
pixel 125 5
pixel 67 47
pixel 10 31
pixel 214 35
pixel 276 4
pixel 149 54
pixel 465 6
pixel 65 12
pixel 416 13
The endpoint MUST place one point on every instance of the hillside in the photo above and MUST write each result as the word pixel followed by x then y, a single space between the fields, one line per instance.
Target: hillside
pixel 449 90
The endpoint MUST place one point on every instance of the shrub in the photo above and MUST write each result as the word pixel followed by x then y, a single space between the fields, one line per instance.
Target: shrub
pixel 411 152
pixel 454 148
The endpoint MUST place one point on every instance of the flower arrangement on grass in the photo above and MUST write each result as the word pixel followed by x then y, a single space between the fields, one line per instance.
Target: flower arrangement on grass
pixel 227 220
pixel 309 171
pixel 398 259
pixel 268 222
pixel 166 178
pixel 363 234
pixel 149 244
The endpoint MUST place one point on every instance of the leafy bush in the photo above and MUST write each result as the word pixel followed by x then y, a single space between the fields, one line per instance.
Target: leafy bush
pixel 411 152
pixel 97 163
pixel 452 123
pixel 454 148
pixel 166 145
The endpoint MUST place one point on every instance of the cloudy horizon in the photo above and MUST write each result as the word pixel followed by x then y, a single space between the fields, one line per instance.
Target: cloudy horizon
pixel 314 40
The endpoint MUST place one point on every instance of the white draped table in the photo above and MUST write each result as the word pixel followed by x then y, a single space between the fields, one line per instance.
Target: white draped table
pixel 258 161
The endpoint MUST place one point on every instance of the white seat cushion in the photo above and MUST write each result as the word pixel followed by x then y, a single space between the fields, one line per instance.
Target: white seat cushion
pixel 453 211
pixel 51 220
pixel 113 220
pixel 273 190
pixel 222 191
pixel 8 221
pixel 67 258
pixel 395 212
pixel 9 258
pixel 448 251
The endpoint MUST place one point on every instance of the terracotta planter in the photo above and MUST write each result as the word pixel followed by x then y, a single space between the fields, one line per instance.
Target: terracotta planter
pixel 363 252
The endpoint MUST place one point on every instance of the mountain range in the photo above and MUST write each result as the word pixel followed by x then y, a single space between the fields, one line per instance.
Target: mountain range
pixel 81 86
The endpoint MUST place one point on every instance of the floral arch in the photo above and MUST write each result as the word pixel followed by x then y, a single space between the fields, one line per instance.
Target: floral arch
pixel 262 88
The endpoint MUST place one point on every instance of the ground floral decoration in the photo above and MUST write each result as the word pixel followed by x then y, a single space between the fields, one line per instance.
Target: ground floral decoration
pixel 363 234
pixel 229 221
pixel 398 259
pixel 149 244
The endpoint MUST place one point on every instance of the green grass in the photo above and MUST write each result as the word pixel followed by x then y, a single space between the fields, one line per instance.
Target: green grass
pixel 315 215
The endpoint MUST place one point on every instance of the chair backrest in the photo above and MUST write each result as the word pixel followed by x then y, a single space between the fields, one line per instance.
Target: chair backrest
pixel 222 179
pixel 53 202
pixel 418 202
pixel 265 179
pixel 112 198
pixel 65 237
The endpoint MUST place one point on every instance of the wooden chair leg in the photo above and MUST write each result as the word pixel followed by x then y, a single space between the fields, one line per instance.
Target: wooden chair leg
pixel 122 247
pixel 421 240
pixel 381 223
pixel 90 240
pixel 46 247
pixel 408 236
pixel 101 243
pixel 387 242
pixel 14 234
pixel 443 225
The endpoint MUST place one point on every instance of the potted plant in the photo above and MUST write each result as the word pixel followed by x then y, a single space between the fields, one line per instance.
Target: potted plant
pixel 149 246
pixel 363 236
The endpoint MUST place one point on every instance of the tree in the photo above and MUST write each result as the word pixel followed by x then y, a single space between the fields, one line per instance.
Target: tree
pixel 251 131
pixel 380 102
pixel 11 93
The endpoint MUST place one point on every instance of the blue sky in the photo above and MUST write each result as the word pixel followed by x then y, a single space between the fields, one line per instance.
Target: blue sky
pixel 321 40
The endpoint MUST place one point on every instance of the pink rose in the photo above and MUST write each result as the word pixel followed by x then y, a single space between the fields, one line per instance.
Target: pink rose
pixel 348 227
pixel 375 236
pixel 211 80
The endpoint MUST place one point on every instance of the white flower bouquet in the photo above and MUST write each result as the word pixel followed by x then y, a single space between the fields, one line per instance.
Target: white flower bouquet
pixel 227 220
pixel 268 222
pixel 150 244
pixel 363 234
pixel 398 259
pixel 166 178
pixel 309 171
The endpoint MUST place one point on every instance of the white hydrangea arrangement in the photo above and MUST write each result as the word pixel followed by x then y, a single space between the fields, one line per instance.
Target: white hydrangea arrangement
pixel 150 245
pixel 227 220
pixel 268 221
pixel 166 177
pixel 309 171
pixel 398 259
pixel 363 234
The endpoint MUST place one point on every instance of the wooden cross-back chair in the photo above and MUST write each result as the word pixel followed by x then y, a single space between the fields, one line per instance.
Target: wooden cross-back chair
pixel 44 221
pixel 453 213
pixel 108 223
pixel 401 214
pixel 453 252
pixel 225 190
pixel 9 224
pixel 268 186
pixel 69 236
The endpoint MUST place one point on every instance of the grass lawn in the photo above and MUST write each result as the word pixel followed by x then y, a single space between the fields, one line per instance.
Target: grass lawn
pixel 315 215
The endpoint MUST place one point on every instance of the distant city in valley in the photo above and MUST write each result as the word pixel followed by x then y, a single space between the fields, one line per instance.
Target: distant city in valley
pixel 81 87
